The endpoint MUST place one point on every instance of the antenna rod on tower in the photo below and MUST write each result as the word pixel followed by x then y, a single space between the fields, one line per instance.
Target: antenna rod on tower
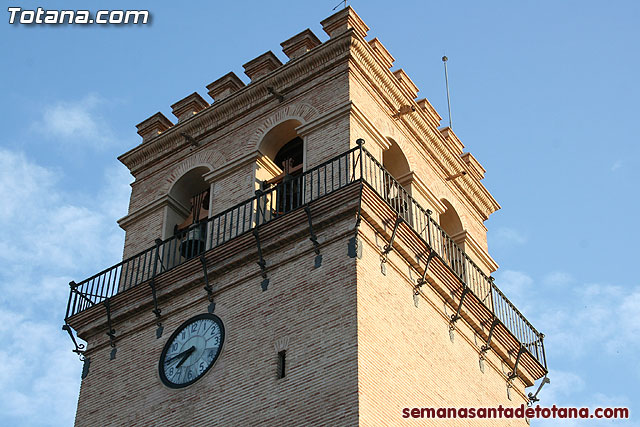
pixel 342 2
pixel 446 80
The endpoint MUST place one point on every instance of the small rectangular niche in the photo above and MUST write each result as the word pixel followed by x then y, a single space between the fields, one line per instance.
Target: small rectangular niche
pixel 282 364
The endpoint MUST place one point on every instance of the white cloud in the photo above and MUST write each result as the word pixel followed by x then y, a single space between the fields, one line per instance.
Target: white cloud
pixel 585 319
pixel 515 285
pixel 52 236
pixel 587 326
pixel 562 388
pixel 558 278
pixel 21 182
pixel 506 236
pixel 78 122
pixel 616 166
pixel 39 373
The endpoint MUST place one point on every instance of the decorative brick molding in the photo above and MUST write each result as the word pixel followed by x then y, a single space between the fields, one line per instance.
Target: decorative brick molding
pixel 225 86
pixel 261 66
pixel 211 159
pixel 281 344
pixel 301 112
pixel 300 44
pixel 153 126
pixel 188 106
pixel 322 57
pixel 421 128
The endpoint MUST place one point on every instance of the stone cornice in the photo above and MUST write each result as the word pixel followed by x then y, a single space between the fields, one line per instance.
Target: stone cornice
pixel 239 103
pixel 421 127
pixel 142 212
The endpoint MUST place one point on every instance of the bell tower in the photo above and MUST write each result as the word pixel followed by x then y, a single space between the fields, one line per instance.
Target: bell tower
pixel 309 248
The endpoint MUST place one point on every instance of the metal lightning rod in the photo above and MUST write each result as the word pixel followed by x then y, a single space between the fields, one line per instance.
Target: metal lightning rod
pixel 342 2
pixel 446 80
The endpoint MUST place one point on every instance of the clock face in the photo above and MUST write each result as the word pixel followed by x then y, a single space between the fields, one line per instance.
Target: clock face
pixel 191 350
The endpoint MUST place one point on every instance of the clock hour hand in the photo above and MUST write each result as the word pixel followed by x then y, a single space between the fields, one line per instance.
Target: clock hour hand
pixel 186 356
pixel 189 350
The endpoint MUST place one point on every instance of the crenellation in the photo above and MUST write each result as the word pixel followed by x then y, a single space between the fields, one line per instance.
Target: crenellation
pixel 474 166
pixel 381 52
pixel 432 115
pixel 300 44
pixel 452 141
pixel 342 21
pixel 188 106
pixel 406 83
pixel 225 86
pixel 153 126
pixel 261 65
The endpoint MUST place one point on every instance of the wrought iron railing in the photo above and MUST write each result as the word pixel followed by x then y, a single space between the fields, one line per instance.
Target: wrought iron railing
pixel 264 207
pixel 353 166
pixel 421 221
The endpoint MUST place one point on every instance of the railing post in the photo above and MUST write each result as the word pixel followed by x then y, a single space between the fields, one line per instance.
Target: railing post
pixel 544 355
pixel 429 227
pixel 491 285
pixel 157 258
pixel 360 143
pixel 72 286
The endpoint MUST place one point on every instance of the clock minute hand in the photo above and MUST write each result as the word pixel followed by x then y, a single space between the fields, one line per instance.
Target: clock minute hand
pixel 189 350
pixel 186 356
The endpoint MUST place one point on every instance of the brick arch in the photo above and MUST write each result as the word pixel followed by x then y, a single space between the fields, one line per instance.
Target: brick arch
pixel 211 159
pixel 304 113
pixel 407 150
pixel 455 216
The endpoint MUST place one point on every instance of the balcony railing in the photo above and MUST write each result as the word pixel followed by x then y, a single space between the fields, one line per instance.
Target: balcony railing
pixel 355 165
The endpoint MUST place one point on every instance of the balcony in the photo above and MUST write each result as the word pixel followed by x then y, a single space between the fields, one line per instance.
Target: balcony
pixel 496 318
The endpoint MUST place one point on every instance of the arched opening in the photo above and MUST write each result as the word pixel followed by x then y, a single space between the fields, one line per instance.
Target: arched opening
pixel 395 162
pixel 450 220
pixel 187 214
pixel 280 165
pixel 452 244
pixel 277 137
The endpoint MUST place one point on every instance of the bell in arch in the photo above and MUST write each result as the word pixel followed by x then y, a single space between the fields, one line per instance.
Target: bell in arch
pixel 192 233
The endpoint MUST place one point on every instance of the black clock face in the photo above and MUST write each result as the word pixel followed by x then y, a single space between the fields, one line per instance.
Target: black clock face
pixel 191 350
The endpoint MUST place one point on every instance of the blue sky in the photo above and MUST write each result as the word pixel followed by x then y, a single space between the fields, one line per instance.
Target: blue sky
pixel 544 94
